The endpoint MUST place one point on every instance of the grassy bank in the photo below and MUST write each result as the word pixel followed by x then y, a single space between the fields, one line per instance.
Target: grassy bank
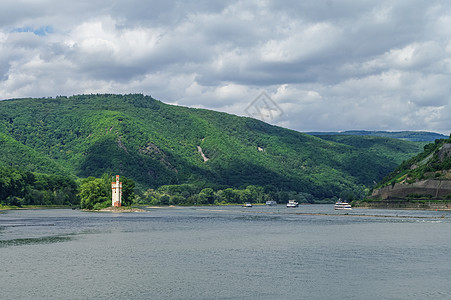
pixel 10 207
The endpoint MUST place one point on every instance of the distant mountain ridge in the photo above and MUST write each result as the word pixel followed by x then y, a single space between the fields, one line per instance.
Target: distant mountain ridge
pixel 413 136
pixel 159 144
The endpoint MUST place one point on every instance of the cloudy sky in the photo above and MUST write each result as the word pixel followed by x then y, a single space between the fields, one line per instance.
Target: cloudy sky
pixel 317 65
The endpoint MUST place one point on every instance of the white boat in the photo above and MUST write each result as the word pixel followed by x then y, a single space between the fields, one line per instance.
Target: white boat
pixel 340 205
pixel 292 203
pixel 247 204
pixel 271 203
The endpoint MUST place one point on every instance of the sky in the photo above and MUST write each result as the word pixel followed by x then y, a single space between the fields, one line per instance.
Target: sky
pixel 322 65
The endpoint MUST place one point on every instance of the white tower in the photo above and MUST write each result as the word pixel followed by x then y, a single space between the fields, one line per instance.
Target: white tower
pixel 116 198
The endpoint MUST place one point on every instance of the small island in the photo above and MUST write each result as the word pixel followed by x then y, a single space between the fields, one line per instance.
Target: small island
pixel 95 194
pixel 100 204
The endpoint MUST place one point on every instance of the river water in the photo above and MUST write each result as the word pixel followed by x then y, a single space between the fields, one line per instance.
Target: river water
pixel 310 252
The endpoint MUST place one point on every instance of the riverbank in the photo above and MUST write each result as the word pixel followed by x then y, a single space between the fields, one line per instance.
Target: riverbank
pixel 115 209
pixel 398 205
pixel 8 207
pixel 108 209
pixel 404 205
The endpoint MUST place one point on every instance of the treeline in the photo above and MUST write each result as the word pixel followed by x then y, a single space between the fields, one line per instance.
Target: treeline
pixel 19 188
pixel 187 194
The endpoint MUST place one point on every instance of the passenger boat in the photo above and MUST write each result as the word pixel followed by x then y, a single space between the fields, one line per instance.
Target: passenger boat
pixel 292 203
pixel 247 204
pixel 340 205
pixel 271 203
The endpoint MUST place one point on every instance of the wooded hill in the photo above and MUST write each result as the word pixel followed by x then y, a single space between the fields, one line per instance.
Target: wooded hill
pixel 427 175
pixel 157 144
pixel 432 163
pixel 422 182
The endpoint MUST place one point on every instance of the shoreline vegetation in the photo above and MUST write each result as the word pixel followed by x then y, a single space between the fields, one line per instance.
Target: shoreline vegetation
pixel 30 207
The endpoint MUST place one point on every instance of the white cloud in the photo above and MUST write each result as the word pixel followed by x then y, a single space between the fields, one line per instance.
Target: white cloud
pixel 301 43
pixel 331 65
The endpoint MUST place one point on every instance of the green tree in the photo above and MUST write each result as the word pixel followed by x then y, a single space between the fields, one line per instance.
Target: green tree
pixel 256 193
pixel 229 195
pixel 207 196
pixel 246 196
pixel 164 200
pixel 92 191
pixel 128 191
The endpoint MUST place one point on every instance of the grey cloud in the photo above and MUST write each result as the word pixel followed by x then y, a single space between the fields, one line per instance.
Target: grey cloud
pixel 369 65
pixel 162 12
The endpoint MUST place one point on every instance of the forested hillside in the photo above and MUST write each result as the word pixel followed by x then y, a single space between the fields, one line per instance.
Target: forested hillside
pixel 424 181
pixel 156 144
pixel 432 163
pixel 391 148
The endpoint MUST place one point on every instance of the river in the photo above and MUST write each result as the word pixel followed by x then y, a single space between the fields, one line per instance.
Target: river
pixel 310 252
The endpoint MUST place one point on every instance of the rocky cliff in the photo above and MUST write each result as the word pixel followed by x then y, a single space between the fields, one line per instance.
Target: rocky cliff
pixel 437 189
pixel 426 176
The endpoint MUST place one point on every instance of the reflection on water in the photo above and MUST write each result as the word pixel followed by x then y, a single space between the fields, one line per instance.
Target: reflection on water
pixel 29 241
pixel 311 252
